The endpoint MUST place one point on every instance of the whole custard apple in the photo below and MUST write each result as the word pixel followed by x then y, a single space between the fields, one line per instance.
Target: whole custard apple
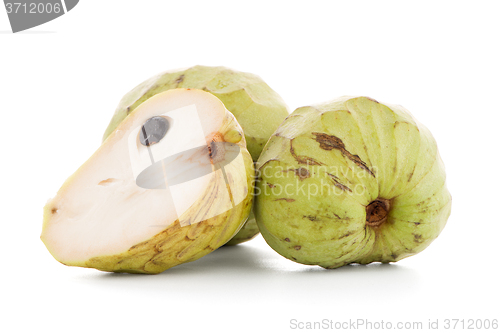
pixel 351 181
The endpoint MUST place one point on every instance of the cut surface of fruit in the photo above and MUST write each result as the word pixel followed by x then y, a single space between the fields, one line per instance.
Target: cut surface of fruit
pixel 174 163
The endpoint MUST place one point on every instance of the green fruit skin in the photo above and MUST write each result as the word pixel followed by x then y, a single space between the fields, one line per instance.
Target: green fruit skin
pixel 258 109
pixel 249 231
pixel 326 163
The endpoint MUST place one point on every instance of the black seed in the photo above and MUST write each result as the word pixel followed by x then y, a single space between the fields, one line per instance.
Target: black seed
pixel 153 130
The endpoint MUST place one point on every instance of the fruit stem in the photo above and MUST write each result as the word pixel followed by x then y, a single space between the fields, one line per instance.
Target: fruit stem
pixel 377 212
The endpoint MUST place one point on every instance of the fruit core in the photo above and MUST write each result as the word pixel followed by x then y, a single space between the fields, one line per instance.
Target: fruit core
pixel 216 148
pixel 377 211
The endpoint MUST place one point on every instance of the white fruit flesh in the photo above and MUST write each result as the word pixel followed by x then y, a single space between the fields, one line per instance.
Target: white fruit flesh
pixel 100 210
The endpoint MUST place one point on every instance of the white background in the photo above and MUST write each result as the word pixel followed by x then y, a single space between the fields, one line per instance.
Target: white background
pixel 60 83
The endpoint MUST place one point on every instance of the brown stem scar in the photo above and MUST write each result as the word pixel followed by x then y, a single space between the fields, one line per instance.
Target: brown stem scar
pixel 377 212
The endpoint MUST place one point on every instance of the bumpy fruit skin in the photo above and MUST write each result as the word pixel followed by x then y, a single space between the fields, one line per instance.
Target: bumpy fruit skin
pixel 351 181
pixel 258 109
